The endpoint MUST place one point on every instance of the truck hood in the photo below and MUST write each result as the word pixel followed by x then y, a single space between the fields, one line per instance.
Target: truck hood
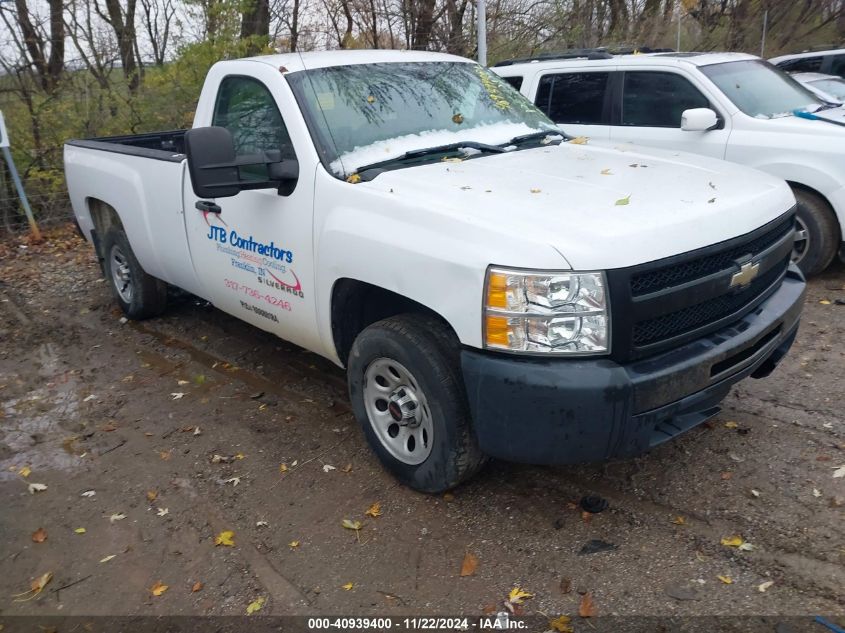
pixel 599 206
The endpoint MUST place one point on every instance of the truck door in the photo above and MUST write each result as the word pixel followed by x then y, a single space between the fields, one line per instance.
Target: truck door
pixel 650 114
pixel 255 258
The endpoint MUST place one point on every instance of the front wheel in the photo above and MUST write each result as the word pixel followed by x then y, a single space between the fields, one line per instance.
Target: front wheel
pixel 817 234
pixel 407 393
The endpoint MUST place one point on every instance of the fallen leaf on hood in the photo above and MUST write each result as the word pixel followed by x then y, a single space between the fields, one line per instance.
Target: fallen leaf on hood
pixel 353 179
pixel 196 587
pixel 579 140
pixel 517 595
pixel 349 524
pixel 604 172
pixel 328 468
pixel 33 488
pixel 449 159
pixel 731 425
pixel 39 536
pixel 623 201
pixel 469 565
pixel 118 516
pixel 679 520
pixel 255 605
pixel 151 495
pixel 837 472
pixel 107 558
pixel 80 530
pixel 535 190
pixel 348 586
pixel 711 201
pixel 561 624
pixel 35 587
pixel 158 588
pixel 163 512
pixel 178 395
pixel 732 541
pixel 762 587
pixel 25 471
pixel 293 544
pixel 726 579
pixel 226 538
pixel 587 608
pixel 374 510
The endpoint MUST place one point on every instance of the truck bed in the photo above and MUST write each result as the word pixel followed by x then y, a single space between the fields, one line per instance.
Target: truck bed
pixel 169 145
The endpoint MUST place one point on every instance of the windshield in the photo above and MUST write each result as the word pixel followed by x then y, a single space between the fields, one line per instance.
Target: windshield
pixel 761 90
pixel 369 113
pixel 833 87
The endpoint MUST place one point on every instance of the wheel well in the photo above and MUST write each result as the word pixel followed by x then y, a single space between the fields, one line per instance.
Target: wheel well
pixel 104 216
pixel 811 191
pixel 357 304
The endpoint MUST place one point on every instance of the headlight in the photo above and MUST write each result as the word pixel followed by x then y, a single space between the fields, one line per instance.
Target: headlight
pixel 546 312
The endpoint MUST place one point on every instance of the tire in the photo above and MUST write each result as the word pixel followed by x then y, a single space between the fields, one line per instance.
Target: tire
pixel 411 365
pixel 818 233
pixel 139 295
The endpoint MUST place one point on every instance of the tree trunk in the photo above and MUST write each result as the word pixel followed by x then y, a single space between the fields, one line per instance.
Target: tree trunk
pixel 255 25
pixel 123 24
pixel 48 70
pixel 423 12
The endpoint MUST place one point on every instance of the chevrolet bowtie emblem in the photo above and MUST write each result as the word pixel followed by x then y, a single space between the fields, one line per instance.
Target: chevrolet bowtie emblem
pixel 747 273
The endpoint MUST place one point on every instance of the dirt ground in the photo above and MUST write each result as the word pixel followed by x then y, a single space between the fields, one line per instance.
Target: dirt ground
pixel 155 437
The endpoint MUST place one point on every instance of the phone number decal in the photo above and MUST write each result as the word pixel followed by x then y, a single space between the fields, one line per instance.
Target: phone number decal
pixel 257 294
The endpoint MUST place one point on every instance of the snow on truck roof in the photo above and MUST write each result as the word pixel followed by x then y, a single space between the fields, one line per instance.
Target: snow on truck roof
pixel 324 59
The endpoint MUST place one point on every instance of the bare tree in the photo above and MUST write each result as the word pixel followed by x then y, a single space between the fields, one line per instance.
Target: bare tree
pixel 41 50
pixel 255 24
pixel 158 18
pixel 122 22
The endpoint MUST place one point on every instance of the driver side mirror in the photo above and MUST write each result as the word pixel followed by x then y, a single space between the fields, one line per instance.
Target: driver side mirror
pixel 218 172
pixel 698 120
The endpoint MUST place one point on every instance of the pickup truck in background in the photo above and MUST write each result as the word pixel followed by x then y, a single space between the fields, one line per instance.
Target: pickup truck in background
pixel 726 105
pixel 491 288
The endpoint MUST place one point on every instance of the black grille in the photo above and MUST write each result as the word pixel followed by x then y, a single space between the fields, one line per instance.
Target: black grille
pixel 694 316
pixel 675 274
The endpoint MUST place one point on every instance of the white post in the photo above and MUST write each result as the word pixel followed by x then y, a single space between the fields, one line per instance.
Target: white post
pixel 680 9
pixel 765 26
pixel 482 32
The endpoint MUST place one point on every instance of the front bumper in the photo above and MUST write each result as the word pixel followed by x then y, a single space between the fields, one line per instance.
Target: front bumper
pixel 560 411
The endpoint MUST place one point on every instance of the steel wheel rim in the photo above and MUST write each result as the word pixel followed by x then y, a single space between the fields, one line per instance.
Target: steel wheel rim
pixel 801 243
pixel 120 274
pixel 398 411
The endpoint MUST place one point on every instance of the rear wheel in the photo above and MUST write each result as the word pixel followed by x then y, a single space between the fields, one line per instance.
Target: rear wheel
pixel 139 295
pixel 407 393
pixel 817 233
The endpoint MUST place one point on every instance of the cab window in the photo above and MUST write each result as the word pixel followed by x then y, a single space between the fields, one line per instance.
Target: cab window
pixel 515 81
pixel 802 65
pixel 576 98
pixel 656 99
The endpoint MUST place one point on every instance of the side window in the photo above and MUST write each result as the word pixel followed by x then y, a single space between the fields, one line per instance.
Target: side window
pixel 515 81
pixel 246 108
pixel 654 99
pixel 802 65
pixel 573 97
pixel 837 66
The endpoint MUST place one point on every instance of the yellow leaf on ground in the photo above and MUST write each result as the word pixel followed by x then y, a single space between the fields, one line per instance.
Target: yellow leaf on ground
pixel 39 536
pixel 151 495
pixel 824 302
pixel 348 586
pixel 469 564
pixel 35 587
pixel 226 537
pixel 294 544
pixel 197 587
pixel 351 525
pixel 347 468
pixel 80 530
pixel 731 425
pixel 679 520
pixel 158 588
pixel 561 624
pixel 579 140
pixel 107 558
pixel 587 608
pixel 25 471
pixel 283 468
pixel 517 595
pixel 240 456
pixel 726 579
pixel 255 605
pixel 374 510
pixel 732 541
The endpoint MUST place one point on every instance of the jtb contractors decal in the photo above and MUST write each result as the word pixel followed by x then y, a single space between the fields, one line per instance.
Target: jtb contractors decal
pixel 267 262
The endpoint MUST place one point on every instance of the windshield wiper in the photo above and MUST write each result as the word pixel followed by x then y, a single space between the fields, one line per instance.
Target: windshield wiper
pixel 533 136
pixel 429 151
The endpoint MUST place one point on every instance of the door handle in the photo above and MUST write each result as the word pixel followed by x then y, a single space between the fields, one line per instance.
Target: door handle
pixel 206 206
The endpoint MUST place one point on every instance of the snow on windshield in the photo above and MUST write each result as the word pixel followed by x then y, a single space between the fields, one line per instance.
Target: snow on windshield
pixel 492 134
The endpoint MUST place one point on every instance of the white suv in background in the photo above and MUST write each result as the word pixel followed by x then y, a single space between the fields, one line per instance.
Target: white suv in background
pixel 830 62
pixel 731 106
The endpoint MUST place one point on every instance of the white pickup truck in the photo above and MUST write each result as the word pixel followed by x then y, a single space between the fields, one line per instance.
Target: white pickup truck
pixel 491 288
pixel 725 105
